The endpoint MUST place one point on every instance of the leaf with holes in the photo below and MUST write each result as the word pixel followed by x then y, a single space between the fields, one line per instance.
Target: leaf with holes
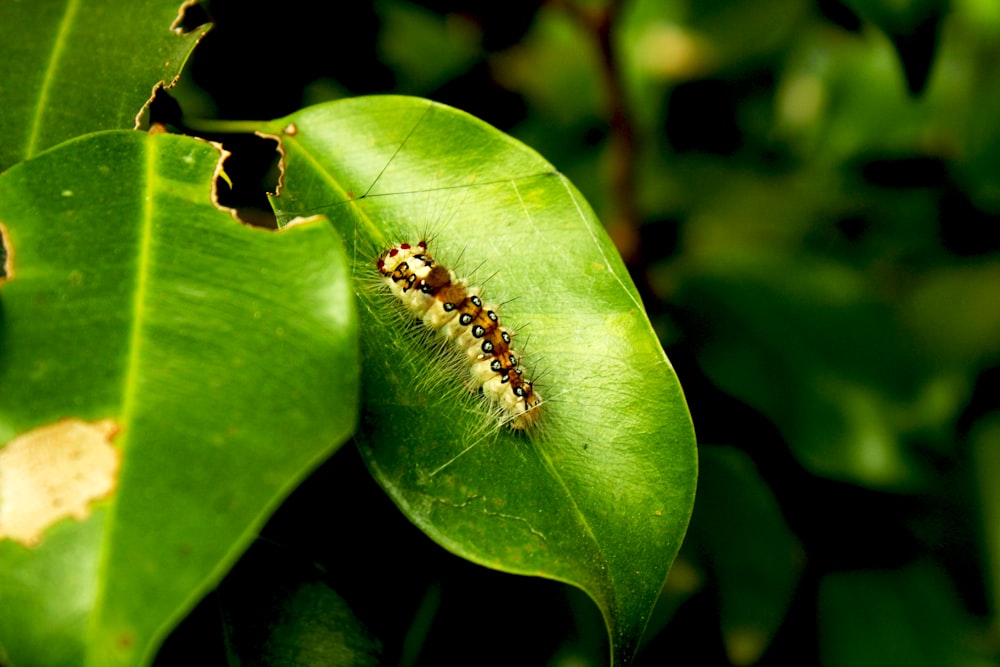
pixel 167 376
pixel 57 81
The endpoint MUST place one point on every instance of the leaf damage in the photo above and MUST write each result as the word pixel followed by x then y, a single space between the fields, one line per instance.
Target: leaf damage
pixel 190 16
pixel 6 256
pixel 54 472
pixel 220 173
pixel 191 19
pixel 290 130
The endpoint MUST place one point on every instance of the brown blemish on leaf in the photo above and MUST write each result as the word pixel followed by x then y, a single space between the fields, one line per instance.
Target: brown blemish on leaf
pixel 142 118
pixel 54 472
pixel 290 130
pixel 281 154
pixel 6 256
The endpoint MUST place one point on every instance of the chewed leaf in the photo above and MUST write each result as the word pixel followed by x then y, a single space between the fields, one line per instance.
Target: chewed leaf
pixel 167 375
pixel 599 494
pixel 58 84
pixel 6 257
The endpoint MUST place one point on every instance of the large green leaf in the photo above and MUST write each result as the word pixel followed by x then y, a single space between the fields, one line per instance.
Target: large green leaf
pixel 225 356
pixel 77 66
pixel 600 494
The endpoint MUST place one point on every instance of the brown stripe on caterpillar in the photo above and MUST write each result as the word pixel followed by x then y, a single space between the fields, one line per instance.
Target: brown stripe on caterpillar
pixel 447 304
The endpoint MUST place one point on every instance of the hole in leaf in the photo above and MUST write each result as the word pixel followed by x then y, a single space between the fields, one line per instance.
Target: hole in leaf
pixel 252 168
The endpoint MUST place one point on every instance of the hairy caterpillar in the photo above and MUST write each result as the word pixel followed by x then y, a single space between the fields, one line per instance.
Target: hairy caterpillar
pixel 447 304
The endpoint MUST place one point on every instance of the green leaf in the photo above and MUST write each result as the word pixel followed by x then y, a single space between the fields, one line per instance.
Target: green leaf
pixel 910 616
pixel 78 66
pixel 600 494
pixel 839 386
pixel 985 440
pixel 224 356
pixel 425 49
pixel 754 556
pixel 914 26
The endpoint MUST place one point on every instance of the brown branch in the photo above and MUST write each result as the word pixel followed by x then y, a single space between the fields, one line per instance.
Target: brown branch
pixel 621 149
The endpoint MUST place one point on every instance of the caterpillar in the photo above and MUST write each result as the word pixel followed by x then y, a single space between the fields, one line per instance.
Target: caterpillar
pixel 447 304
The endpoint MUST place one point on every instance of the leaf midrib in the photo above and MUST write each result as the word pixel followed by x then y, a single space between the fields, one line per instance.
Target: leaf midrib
pixel 43 94
pixel 129 394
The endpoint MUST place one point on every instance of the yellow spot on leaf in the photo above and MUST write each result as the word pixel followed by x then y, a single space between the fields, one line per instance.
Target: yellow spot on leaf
pixel 54 472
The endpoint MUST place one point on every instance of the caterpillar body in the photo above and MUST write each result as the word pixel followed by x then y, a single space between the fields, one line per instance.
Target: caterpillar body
pixel 447 304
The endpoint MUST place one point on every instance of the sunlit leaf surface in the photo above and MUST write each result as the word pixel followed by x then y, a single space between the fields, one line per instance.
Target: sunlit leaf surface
pixel 600 493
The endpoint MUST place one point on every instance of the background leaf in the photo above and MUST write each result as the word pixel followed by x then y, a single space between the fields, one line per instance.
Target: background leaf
pixel 907 617
pixel 600 496
pixel 226 355
pixel 74 66
pixel 755 559
pixel 279 611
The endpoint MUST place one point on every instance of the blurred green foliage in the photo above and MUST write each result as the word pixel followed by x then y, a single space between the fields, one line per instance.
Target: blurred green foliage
pixel 807 193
